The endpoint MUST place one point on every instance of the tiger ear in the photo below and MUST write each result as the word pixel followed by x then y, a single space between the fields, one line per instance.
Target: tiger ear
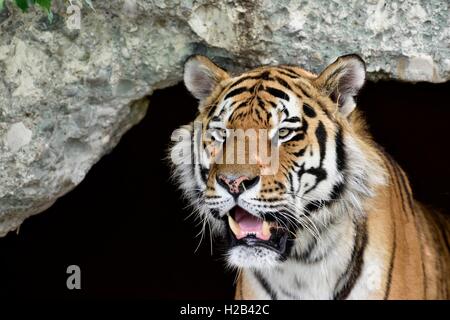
pixel 201 76
pixel 342 80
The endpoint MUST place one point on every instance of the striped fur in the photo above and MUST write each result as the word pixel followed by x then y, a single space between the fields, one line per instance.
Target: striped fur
pixel 357 231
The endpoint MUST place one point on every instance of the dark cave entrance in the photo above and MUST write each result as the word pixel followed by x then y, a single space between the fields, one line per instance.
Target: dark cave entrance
pixel 125 226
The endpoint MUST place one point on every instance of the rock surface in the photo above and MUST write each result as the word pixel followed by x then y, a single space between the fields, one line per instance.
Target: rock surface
pixel 68 94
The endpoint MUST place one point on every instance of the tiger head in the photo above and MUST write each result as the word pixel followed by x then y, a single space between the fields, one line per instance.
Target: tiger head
pixel 274 155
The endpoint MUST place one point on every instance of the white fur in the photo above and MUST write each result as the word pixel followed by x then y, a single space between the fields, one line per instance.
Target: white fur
pixel 252 258
pixel 355 75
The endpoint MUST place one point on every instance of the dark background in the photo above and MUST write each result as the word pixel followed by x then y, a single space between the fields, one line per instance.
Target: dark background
pixel 126 227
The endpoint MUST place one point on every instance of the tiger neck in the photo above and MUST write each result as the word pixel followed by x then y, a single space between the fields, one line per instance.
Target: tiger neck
pixel 320 266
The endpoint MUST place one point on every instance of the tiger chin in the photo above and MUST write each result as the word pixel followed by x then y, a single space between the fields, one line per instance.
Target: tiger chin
pixel 334 218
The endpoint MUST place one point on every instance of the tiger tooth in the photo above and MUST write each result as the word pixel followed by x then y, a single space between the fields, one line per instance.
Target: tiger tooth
pixel 234 226
pixel 266 229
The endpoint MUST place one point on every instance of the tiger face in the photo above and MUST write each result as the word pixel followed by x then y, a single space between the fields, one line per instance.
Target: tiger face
pixel 269 154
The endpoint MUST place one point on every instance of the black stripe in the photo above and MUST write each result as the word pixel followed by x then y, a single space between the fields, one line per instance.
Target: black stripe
pixel 193 147
pixel 273 104
pixel 283 83
pixel 290 179
pixel 300 153
pixel 303 92
pixel 261 76
pixel 292 119
pixel 235 92
pixel 320 174
pixel 325 110
pixel 391 262
pixel 265 75
pixel 400 188
pixel 390 166
pixel 261 103
pixel 277 93
pixel 295 130
pixel 442 224
pixel 336 193
pixel 404 185
pixel 287 73
pixel 284 109
pixel 334 73
pixel 308 94
pixel 290 69
pixel 211 110
pixel 258 114
pixel 321 135
pixel 240 81
pixel 341 157
pixel 215 213
pixel 241 105
pixel 298 137
pixel 353 271
pixel 265 285
pixel 193 163
pixel 204 174
pixel 338 189
pixel 308 110
pixel 313 206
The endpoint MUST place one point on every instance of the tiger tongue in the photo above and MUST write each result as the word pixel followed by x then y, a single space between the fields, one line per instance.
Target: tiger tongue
pixel 246 221
pixel 249 224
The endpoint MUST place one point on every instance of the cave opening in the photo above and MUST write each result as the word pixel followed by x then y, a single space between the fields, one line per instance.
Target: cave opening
pixel 126 225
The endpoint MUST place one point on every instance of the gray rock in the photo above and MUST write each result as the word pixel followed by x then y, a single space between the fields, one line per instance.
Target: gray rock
pixel 68 94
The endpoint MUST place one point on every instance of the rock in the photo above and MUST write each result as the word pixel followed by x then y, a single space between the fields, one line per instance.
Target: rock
pixel 17 136
pixel 70 88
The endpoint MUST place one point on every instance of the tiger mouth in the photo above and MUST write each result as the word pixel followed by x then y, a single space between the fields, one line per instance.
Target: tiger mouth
pixel 248 230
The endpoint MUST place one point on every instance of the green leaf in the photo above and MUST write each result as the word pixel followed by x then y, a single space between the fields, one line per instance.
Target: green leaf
pixel 45 4
pixel 22 4
pixel 1 4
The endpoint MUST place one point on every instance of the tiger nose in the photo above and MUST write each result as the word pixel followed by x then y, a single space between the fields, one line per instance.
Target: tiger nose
pixel 236 186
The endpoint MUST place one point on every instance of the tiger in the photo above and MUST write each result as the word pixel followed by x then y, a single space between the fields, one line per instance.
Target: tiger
pixel 335 218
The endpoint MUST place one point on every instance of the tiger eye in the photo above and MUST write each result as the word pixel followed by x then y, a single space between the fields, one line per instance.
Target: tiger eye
pixel 283 133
